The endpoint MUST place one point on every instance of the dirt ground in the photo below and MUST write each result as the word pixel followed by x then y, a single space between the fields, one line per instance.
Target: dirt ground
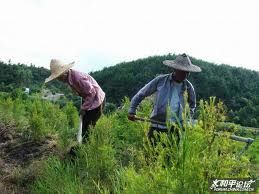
pixel 20 159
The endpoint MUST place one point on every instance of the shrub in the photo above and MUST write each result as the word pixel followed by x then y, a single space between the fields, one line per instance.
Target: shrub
pixel 118 158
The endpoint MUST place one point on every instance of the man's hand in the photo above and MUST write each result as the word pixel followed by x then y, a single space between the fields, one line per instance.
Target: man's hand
pixel 131 117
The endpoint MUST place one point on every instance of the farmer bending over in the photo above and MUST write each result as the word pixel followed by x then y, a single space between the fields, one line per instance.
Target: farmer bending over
pixel 169 90
pixel 83 85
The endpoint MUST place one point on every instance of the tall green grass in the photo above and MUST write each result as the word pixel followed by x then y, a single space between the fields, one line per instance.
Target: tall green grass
pixel 36 118
pixel 119 159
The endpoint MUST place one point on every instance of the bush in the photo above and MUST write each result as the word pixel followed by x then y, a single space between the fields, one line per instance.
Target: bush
pixel 109 108
pixel 91 171
pixel 119 159
pixel 37 118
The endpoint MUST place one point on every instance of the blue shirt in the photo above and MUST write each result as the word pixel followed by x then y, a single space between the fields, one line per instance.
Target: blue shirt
pixel 176 102
pixel 161 86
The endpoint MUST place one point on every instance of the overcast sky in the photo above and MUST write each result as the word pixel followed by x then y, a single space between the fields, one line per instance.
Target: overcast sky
pixel 99 33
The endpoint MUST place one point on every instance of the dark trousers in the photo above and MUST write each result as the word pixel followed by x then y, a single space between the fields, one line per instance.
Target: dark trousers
pixel 89 119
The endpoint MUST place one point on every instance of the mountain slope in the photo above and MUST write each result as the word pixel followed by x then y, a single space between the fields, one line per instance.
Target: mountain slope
pixel 237 87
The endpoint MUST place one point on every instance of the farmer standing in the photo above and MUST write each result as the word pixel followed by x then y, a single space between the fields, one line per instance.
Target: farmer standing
pixel 169 90
pixel 85 86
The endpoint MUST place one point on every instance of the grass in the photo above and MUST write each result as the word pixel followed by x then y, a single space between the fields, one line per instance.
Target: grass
pixel 119 159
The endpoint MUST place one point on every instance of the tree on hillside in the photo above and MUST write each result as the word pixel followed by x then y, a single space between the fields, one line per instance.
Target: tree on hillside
pixel 230 84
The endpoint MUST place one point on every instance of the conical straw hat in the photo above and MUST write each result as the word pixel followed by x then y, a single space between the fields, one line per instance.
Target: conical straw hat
pixel 183 63
pixel 57 68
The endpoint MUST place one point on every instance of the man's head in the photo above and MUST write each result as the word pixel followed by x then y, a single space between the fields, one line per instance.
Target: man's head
pixel 182 66
pixel 59 70
pixel 63 77
pixel 180 76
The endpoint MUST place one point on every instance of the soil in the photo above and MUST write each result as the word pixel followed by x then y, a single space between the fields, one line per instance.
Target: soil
pixel 20 159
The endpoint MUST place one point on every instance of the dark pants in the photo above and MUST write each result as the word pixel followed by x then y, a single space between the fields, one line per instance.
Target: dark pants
pixel 89 119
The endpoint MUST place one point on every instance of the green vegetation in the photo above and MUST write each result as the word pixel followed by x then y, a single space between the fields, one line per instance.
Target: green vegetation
pixel 118 158
pixel 37 118
pixel 15 77
pixel 236 87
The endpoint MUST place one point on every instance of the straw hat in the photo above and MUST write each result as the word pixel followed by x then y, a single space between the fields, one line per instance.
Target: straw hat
pixel 57 68
pixel 183 63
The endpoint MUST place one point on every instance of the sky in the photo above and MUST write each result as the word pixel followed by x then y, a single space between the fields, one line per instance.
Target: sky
pixel 100 33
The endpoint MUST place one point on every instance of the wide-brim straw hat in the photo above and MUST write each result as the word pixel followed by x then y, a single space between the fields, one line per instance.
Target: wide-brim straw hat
pixel 57 68
pixel 183 63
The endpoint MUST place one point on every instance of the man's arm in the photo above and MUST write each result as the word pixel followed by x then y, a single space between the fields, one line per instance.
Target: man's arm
pixel 147 90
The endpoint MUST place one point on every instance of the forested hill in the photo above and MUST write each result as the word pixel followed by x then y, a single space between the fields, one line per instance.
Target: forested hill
pixel 223 81
pixel 13 76
pixel 237 87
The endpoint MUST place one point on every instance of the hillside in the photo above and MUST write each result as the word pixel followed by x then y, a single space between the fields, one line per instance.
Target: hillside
pixel 15 76
pixel 36 135
pixel 223 81
pixel 238 88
